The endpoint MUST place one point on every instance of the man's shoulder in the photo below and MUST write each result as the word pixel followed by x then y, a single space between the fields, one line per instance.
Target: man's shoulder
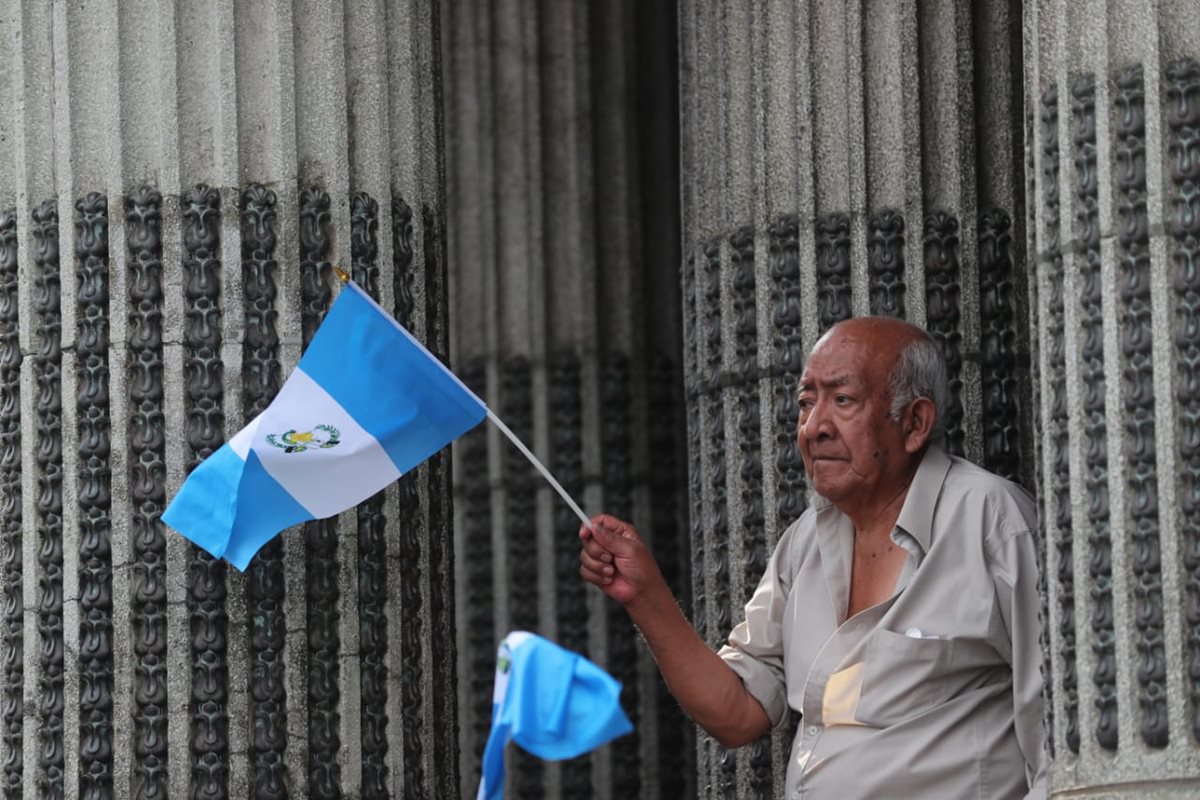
pixel 804 526
pixel 967 479
pixel 1002 507
pixel 801 535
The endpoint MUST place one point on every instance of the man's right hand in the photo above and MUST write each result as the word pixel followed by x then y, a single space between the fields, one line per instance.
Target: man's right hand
pixel 614 558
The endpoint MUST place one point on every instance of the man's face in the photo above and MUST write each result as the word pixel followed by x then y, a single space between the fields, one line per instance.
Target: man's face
pixel 852 450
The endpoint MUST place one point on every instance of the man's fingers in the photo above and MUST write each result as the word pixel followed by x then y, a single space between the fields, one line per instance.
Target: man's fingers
pixel 593 577
pixel 598 561
pixel 614 535
pixel 597 550
pixel 609 539
pixel 613 525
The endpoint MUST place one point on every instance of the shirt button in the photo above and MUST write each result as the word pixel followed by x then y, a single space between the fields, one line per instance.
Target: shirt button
pixel 812 730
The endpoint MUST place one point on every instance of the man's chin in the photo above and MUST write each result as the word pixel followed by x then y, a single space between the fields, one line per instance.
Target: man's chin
pixel 827 471
pixel 828 488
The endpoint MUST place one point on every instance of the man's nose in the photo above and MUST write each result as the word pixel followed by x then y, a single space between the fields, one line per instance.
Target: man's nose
pixel 817 425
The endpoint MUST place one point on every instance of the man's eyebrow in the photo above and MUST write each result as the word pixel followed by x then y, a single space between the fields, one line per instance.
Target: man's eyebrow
pixel 837 381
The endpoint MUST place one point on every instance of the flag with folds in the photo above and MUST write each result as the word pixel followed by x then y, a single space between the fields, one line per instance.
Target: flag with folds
pixel 366 404
pixel 555 704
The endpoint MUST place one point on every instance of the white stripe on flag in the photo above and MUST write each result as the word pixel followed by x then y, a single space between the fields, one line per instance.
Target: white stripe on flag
pixel 324 478
pixel 240 443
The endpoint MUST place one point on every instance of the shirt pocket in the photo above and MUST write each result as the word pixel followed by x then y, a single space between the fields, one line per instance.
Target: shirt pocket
pixel 902 676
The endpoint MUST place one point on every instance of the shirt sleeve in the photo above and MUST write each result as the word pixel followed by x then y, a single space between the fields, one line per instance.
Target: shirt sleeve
pixel 1019 609
pixel 755 647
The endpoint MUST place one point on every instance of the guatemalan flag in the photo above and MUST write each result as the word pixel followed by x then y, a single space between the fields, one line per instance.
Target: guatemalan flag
pixel 366 404
pixel 554 703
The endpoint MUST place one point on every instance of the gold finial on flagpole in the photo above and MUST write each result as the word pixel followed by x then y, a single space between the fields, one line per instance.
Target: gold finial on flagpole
pixel 343 276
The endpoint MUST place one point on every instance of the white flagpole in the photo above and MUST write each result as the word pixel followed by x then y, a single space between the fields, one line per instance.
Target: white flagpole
pixel 512 437
pixel 345 278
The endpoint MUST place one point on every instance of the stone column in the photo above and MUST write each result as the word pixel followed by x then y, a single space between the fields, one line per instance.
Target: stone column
pixel 1113 108
pixel 838 158
pixel 176 183
pixel 561 154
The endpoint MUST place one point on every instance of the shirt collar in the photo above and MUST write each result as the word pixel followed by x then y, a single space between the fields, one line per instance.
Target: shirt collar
pixel 916 515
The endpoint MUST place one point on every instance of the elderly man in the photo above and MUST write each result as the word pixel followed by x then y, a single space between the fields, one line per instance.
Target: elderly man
pixel 899 614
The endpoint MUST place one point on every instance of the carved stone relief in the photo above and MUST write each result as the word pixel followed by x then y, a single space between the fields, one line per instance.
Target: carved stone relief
pixel 12 636
pixel 1183 120
pixel 95 500
pixel 47 298
pixel 1138 396
pixel 943 317
pixel 1001 447
pixel 260 382
pixel 885 263
pixel 203 389
pixel 143 238
pixel 1059 481
pixel 321 564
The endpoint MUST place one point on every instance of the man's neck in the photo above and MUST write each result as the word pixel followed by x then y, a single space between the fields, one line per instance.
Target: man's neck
pixel 877 517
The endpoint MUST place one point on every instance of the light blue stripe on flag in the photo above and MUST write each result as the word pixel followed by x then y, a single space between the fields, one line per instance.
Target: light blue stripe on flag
pixel 233 507
pixel 205 509
pixel 409 402
pixel 554 703
pixel 264 509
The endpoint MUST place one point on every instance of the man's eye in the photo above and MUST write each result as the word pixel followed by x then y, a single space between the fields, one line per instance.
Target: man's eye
pixel 842 399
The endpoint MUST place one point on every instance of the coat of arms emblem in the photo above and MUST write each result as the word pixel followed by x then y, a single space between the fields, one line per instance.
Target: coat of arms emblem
pixel 293 441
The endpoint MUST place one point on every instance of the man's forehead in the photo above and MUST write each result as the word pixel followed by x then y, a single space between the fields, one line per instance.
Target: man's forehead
pixel 854 351
pixel 840 367
pixel 832 379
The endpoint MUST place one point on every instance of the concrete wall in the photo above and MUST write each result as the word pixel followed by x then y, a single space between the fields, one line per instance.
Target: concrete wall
pixel 177 182
pixel 1112 106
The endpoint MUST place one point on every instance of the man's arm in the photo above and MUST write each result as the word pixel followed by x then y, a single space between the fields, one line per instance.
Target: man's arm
pixel 614 559
pixel 1020 608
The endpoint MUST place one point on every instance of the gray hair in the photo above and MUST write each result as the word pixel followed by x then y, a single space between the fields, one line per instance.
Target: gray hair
pixel 920 371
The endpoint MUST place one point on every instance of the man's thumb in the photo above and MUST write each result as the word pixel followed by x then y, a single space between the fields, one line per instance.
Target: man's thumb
pixel 614 535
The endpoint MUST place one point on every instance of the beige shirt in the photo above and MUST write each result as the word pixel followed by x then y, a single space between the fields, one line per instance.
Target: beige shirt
pixel 934 693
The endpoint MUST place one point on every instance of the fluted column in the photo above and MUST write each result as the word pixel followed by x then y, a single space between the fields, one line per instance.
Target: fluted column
pixel 176 183
pixel 838 158
pixel 561 161
pixel 1113 99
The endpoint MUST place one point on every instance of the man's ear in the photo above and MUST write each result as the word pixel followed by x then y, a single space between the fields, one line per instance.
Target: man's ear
pixel 918 424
